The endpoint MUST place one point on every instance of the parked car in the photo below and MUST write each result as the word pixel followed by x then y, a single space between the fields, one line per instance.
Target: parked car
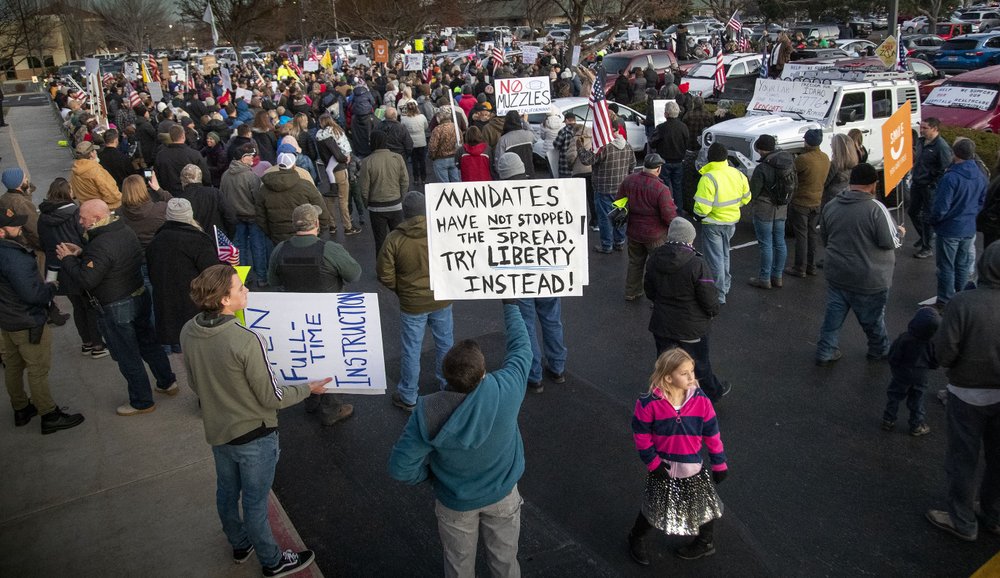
pixel 742 71
pixel 819 31
pixel 579 106
pixel 981 20
pixel 916 24
pixel 968 52
pixel 858 48
pixel 977 108
pixel 928 78
pixel 949 30
pixel 923 46
pixel 663 60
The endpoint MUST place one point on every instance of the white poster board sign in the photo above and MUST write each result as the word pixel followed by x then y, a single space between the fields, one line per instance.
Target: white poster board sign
pixel 529 54
pixel 811 100
pixel 244 94
pixel 227 79
pixel 315 336
pixel 413 62
pixel 155 91
pixel 507 239
pixel 310 66
pixel 525 95
pixel 633 34
pixel 658 107
pixel 131 70
pixel 93 66
pixel 575 60
pixel 961 97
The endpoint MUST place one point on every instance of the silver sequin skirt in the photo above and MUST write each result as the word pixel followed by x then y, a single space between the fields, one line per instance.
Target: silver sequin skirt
pixel 679 506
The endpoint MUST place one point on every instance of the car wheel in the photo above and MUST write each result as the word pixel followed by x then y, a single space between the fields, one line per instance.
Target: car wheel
pixel 984 29
pixel 909 29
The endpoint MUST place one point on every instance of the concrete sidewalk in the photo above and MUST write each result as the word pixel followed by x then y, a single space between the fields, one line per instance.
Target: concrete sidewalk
pixel 116 496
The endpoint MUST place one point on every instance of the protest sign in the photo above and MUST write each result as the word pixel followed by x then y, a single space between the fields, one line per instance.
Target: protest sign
pixel 310 65
pixel 155 91
pixel 507 239
pixel 576 56
pixel 227 78
pixel 897 147
pixel 131 70
pixel 315 336
pixel 418 44
pixel 381 50
pixel 811 100
pixel 658 106
pixel 633 34
pixel 92 65
pixel 413 62
pixel 525 95
pixel 244 94
pixel 962 97
pixel 529 54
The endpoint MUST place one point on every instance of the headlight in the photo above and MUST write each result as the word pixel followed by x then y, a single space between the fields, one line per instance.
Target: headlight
pixel 707 138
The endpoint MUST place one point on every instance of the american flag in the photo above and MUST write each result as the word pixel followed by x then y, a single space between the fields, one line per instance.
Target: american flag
pixel 313 53
pixel 743 43
pixel 228 252
pixel 602 132
pixel 429 73
pixel 79 95
pixel 496 55
pixel 154 69
pixel 107 77
pixel 734 22
pixel 720 73
pixel 133 96
pixel 901 60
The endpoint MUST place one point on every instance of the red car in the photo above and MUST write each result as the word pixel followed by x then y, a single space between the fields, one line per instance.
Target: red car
pixel 968 100
pixel 663 60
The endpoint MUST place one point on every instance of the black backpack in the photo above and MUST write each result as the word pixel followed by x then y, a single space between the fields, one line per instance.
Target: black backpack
pixel 784 185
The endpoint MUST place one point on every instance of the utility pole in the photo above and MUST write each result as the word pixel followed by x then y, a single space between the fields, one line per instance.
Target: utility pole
pixel 893 17
pixel 333 7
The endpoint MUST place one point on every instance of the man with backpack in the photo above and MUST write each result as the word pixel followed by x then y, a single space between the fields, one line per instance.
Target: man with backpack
pixel 771 186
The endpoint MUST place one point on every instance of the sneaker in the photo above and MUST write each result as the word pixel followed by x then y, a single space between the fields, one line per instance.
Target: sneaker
pixel 99 352
pixel 811 270
pixel 923 254
pixel 555 377
pixel 888 425
pixel 921 430
pixel 352 231
pixel 633 297
pixel 759 283
pixel 24 415
pixel 602 250
pixel 398 402
pixel 991 527
pixel 777 283
pixel 535 387
pixel 637 549
pixel 346 410
pixel 942 521
pixel 171 390
pixel 127 410
pixel 56 420
pixel 695 550
pixel 619 246
pixel 241 555
pixel 86 348
pixel 290 563
pixel 833 359
pixel 795 272
pixel 877 356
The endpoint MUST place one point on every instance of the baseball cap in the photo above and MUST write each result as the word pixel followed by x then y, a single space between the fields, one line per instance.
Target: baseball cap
pixel 9 218
pixel 305 217
pixel 286 160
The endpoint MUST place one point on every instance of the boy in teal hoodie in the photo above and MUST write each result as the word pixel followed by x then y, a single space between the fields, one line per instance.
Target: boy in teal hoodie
pixel 465 438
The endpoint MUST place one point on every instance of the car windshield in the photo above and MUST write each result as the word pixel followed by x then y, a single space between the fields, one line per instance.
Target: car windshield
pixel 976 96
pixel 959 44
pixel 704 70
pixel 613 64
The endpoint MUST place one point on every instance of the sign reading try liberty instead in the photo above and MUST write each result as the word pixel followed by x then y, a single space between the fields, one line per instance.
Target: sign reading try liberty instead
pixel 310 336
pixel 507 239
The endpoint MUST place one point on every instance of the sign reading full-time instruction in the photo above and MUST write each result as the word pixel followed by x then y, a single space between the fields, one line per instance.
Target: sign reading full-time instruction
pixel 526 95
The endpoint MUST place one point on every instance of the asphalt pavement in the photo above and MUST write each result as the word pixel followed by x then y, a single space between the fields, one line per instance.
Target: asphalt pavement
pixel 815 487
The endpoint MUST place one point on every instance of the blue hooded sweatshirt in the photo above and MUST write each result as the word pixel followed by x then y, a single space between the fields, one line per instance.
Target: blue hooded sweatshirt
pixel 470 443
pixel 960 195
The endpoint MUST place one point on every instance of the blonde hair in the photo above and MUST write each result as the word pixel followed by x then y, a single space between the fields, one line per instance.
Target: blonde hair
pixel 134 191
pixel 666 364
pixel 845 153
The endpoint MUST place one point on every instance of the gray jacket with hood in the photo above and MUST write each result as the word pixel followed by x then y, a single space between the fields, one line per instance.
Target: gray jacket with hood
pixel 861 239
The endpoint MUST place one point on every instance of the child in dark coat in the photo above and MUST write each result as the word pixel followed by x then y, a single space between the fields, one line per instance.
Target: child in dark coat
pixel 911 358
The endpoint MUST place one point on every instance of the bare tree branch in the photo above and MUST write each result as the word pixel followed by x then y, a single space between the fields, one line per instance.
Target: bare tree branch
pixel 133 23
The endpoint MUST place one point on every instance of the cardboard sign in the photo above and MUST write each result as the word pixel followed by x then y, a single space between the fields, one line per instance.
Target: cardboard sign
pixel 381 50
pixel 888 52
pixel 310 66
pixel 315 336
pixel 526 95
pixel 507 239
pixel 633 34
pixel 811 100
pixel 529 54
pixel 413 62
pixel 961 97
pixel 208 64
pixel 897 146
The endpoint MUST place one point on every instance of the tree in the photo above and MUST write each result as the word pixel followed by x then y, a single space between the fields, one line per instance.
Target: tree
pixel 81 26
pixel 133 23
pixel 615 15
pixel 235 20
pixel 26 32
pixel 723 10
pixel 388 19
pixel 929 8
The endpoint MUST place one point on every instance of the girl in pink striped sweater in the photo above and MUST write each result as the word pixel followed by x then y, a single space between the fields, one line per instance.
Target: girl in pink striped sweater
pixel 670 424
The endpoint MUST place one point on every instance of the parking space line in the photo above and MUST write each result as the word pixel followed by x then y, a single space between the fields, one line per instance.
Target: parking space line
pixel 743 246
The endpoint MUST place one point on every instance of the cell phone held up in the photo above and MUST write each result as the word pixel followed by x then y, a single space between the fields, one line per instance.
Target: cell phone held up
pixel 147 174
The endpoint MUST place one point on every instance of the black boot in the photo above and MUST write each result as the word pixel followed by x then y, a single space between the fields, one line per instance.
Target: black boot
pixel 56 317
pixel 23 416
pixel 696 549
pixel 637 549
pixel 57 420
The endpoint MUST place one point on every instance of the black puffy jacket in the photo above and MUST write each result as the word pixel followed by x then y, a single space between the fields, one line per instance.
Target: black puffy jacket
pixel 680 285
pixel 24 298
pixel 59 223
pixel 109 266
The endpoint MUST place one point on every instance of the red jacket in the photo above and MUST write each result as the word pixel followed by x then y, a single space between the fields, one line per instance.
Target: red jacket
pixel 475 163
pixel 466 103
pixel 650 207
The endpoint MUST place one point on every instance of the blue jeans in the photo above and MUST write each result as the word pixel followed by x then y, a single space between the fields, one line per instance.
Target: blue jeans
pixel 672 175
pixel 870 311
pixel 971 427
pixel 911 390
pixel 254 248
pixel 773 250
pixel 610 235
pixel 130 337
pixel 446 170
pixel 247 469
pixel 411 334
pixel 954 263
pixel 715 244
pixel 549 313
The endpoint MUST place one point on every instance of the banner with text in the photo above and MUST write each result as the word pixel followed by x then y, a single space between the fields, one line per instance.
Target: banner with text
pixel 962 97
pixel 319 335
pixel 811 100
pixel 413 62
pixel 507 239
pixel 525 95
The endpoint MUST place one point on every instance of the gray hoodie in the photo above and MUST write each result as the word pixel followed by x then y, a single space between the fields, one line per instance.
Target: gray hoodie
pixel 861 239
pixel 239 187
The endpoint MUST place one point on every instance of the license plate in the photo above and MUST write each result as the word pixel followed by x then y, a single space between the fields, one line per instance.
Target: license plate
pixel 952 58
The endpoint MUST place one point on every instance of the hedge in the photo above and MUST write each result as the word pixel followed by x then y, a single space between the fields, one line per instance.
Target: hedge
pixel 987 143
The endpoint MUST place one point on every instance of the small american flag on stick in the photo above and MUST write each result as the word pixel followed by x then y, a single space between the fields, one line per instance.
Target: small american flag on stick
pixel 228 252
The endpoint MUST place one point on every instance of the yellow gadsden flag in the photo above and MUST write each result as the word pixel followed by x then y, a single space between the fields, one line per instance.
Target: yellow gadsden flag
pixel 327 60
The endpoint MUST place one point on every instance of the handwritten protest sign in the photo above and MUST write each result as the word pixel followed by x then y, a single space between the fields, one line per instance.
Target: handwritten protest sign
pixel 507 239
pixel 244 94
pixel 529 53
pixel 633 34
pixel 413 62
pixel 310 65
pixel 527 95
pixel 811 100
pixel 658 107
pixel 309 337
pixel 227 79
pixel 961 97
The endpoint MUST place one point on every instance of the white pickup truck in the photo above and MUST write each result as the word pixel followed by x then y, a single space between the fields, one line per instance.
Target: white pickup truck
pixel 831 100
